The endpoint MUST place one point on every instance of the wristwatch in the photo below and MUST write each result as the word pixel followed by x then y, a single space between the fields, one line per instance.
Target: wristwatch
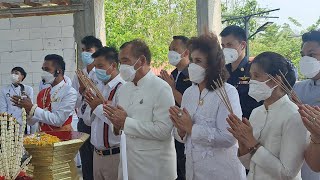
pixel 253 149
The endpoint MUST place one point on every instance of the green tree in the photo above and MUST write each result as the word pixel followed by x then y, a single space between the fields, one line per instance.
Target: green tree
pixel 153 21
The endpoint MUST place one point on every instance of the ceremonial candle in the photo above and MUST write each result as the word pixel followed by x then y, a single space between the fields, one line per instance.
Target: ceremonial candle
pixel 123 150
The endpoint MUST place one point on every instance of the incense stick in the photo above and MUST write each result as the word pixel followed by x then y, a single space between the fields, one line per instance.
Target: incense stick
pixel 289 90
pixel 86 81
pixel 222 94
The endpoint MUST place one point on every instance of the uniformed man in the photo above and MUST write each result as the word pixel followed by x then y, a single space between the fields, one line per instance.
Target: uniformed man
pixel 16 88
pixel 55 104
pixel 90 45
pixel 179 81
pixel 233 40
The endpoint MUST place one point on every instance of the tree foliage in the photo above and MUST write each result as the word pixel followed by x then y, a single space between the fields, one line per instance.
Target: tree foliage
pixel 156 21
pixel 153 21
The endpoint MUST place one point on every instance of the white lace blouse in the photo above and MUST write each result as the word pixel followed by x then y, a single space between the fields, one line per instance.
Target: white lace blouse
pixel 211 151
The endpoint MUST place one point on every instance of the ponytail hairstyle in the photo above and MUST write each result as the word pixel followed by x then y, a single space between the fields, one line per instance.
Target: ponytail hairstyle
pixel 273 63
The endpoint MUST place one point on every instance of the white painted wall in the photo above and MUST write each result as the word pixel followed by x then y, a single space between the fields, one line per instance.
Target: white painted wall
pixel 26 41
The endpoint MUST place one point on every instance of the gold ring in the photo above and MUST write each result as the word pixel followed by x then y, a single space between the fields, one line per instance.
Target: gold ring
pixel 19 100
pixel 92 98
pixel 112 114
pixel 313 119
pixel 179 114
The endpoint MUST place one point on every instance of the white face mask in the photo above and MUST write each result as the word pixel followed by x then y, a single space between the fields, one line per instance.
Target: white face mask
pixel 128 72
pixel 230 55
pixel 196 73
pixel 14 78
pixel 309 66
pixel 174 58
pixel 260 91
pixel 47 77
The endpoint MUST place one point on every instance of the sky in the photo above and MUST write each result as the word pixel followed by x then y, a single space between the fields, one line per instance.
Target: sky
pixel 306 12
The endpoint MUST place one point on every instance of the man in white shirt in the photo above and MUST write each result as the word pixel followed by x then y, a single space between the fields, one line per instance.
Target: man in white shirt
pixel 54 104
pixel 90 45
pixel 142 113
pixel 16 88
pixel 106 143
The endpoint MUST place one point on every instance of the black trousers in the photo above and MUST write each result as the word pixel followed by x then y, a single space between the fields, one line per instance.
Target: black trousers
pixel 181 160
pixel 86 152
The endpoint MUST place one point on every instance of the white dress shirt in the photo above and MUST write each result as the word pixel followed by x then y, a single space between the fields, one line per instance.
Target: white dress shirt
pixel 283 139
pixel 63 100
pixel 75 84
pixel 7 106
pixel 211 151
pixel 150 147
pixel 97 119
pixel 43 86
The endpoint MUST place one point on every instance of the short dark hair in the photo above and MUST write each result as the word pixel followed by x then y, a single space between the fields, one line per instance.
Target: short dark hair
pixel 138 47
pixel 312 36
pixel 236 31
pixel 183 39
pixel 272 63
pixel 21 70
pixel 91 42
pixel 209 45
pixel 109 53
pixel 57 60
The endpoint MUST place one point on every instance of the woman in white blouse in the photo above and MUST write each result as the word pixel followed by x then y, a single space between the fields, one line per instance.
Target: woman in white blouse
pixel 272 144
pixel 211 151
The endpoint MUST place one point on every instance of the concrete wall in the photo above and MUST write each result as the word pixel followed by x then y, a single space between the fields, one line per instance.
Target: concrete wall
pixel 26 41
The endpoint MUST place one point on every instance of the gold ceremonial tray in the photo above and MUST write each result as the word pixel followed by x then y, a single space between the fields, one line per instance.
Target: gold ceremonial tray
pixel 56 161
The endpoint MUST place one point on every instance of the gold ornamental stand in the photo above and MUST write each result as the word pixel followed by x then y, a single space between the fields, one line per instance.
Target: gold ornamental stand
pixel 56 162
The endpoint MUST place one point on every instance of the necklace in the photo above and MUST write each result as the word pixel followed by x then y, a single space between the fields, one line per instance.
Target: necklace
pixel 201 100
pixel 13 88
pixel 53 97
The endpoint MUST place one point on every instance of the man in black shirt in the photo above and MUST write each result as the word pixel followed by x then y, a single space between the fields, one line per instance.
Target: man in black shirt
pixel 234 43
pixel 179 81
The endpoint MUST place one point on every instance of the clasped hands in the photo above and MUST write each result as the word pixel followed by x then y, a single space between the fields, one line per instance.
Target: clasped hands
pixel 22 102
pixel 116 114
pixel 311 120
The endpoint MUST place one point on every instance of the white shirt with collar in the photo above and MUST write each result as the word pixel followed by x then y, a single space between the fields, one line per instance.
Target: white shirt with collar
pixel 211 150
pixel 63 100
pixel 150 147
pixel 75 84
pixel 97 119
pixel 5 100
pixel 283 139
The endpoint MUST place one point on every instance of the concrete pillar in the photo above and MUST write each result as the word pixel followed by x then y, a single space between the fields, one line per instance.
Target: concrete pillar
pixel 209 16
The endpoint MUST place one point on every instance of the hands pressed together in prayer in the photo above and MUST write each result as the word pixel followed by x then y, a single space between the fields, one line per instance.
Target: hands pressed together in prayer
pixel 311 119
pixel 243 132
pixel 117 115
pixel 181 119
pixel 92 100
pixel 166 77
pixel 22 102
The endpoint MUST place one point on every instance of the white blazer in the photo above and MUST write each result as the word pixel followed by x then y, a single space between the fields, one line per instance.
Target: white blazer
pixel 150 148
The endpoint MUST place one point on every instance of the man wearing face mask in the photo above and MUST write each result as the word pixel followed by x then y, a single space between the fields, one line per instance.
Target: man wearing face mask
pixel 233 40
pixel 308 90
pixel 16 88
pixel 89 45
pixel 141 111
pixel 54 104
pixel 179 81
pixel 106 155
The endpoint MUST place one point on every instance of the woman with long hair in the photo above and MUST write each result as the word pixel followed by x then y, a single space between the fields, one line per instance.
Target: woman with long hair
pixel 200 123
